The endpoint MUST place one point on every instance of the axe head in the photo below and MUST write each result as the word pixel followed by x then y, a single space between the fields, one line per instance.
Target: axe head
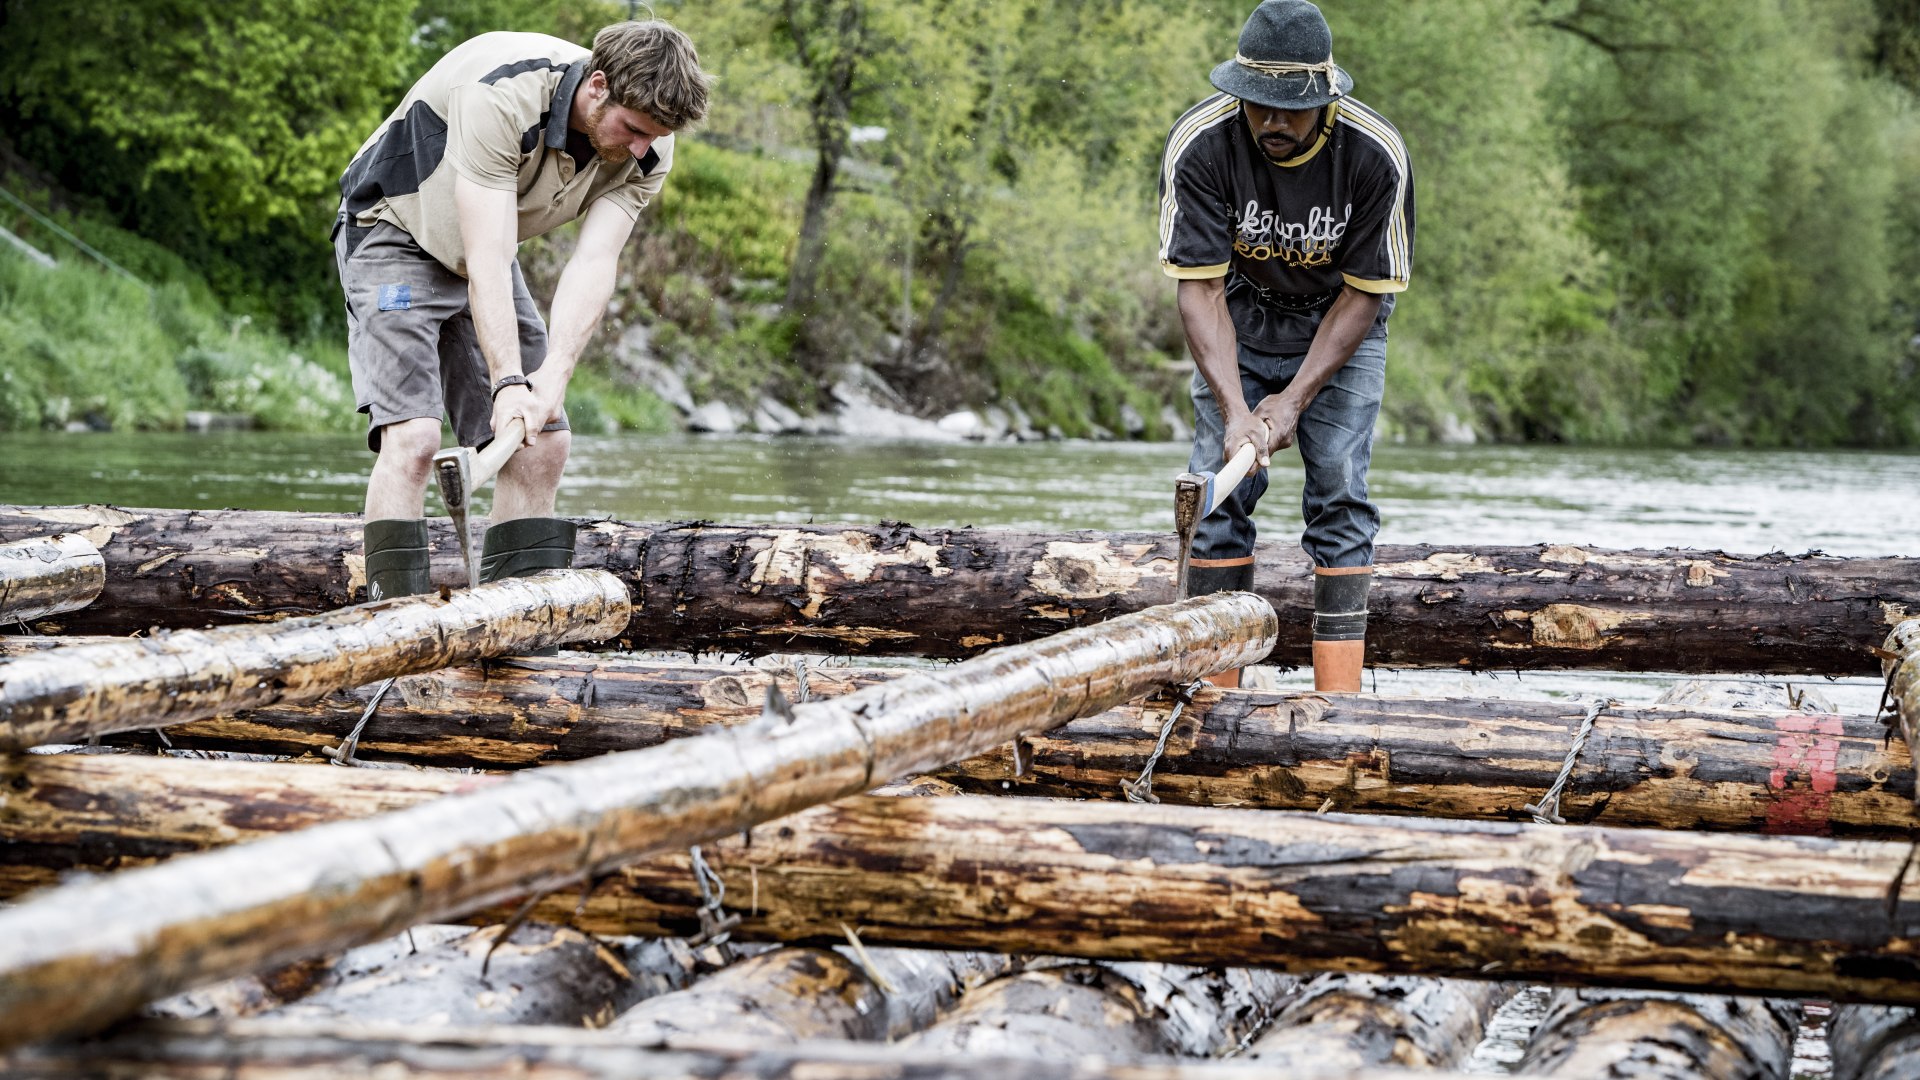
pixel 453 470
pixel 1189 504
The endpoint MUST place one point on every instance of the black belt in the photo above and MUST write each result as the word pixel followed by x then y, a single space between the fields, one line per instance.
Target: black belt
pixel 1290 303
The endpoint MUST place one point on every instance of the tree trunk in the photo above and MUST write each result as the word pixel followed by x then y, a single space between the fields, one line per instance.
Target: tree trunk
pixel 897 590
pixel 78 956
pixel 270 1050
pixel 1350 1021
pixel 1874 1042
pixel 1902 669
pixel 541 974
pixel 787 995
pixel 1634 1036
pixel 1680 767
pixel 67 695
pixel 1068 1012
pixel 48 575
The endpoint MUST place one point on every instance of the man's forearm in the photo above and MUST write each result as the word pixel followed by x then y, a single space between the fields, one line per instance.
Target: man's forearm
pixel 1212 341
pixel 579 304
pixel 495 322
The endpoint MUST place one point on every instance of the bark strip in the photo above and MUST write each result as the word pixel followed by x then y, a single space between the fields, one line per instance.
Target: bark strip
pixel 67 695
pixel 894 589
pixel 49 575
pixel 1341 1020
pixel 269 1050
pixel 1640 1036
pixel 77 956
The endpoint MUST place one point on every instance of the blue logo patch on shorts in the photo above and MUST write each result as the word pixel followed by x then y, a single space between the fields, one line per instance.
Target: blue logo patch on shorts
pixel 396 297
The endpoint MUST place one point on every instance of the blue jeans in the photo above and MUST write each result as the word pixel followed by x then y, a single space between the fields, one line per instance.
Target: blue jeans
pixel 1335 438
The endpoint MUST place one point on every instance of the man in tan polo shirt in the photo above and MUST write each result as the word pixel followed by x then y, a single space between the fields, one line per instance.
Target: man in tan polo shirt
pixel 508 137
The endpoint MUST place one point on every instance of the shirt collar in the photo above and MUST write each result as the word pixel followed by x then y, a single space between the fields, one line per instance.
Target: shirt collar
pixel 560 110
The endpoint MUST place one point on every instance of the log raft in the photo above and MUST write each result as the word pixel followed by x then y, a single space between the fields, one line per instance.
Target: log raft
pixel 1341 1020
pixel 78 956
pixel 49 575
pixel 1641 1036
pixel 894 589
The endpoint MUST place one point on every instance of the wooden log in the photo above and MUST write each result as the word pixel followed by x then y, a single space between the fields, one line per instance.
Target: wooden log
pixel 787 995
pixel 1067 1012
pixel 1778 769
pixel 1341 1020
pixel 541 974
pixel 269 1050
pixel 1618 1033
pixel 894 589
pixel 77 956
pixel 1874 1042
pixel 67 695
pixel 49 575
pixel 1901 666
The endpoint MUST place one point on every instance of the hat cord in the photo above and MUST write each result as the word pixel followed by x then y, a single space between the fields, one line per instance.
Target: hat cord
pixel 1280 68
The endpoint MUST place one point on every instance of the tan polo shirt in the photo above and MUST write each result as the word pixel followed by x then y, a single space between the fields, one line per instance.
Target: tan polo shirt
pixel 494 110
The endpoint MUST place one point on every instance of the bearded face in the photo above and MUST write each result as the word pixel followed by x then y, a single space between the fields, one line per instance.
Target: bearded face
pixel 619 134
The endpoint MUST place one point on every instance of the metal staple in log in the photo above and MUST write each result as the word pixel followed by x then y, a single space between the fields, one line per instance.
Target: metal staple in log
pixel 70 695
pixel 49 575
pixel 78 956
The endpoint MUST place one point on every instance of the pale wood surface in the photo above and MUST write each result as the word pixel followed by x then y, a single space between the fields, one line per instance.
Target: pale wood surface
pixel 49 575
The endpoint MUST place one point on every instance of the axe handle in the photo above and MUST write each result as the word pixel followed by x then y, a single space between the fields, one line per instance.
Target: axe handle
pixel 1228 478
pixel 487 462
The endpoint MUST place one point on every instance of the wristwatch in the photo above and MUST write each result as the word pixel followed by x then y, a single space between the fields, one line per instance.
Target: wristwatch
pixel 511 380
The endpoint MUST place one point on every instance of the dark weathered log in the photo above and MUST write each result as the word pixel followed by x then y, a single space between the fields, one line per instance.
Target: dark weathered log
pixel 67 695
pixel 1874 1042
pixel 1773 770
pixel 1635 1036
pixel 788 995
pixel 541 974
pixel 269 1050
pixel 952 592
pixel 1902 669
pixel 1066 1012
pixel 77 956
pixel 48 575
pixel 1341 1020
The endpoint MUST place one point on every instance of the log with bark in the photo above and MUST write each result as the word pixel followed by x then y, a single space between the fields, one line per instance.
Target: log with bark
pixel 1636 1036
pixel 1071 1011
pixel 788 995
pixel 49 575
pixel 1874 1042
pixel 1342 1020
pixel 270 1050
pixel 68 695
pixel 953 592
pixel 1901 666
pixel 1777 769
pixel 77 956
pixel 540 974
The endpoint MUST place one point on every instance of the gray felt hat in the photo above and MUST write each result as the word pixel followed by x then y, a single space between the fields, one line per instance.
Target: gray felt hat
pixel 1285 59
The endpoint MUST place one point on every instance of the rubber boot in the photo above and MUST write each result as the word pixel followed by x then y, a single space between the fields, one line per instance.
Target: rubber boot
pixel 1340 626
pixel 397 561
pixel 527 546
pixel 1210 576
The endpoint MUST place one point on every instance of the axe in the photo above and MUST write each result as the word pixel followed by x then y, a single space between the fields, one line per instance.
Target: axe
pixel 462 471
pixel 1195 495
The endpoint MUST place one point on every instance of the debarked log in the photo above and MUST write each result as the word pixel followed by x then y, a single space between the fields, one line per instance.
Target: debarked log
pixel 68 695
pixel 77 956
pixel 894 589
pixel 787 995
pixel 1641 1036
pixel 1682 767
pixel 276 1050
pixel 1874 1042
pixel 1353 1020
pixel 48 575
pixel 1901 666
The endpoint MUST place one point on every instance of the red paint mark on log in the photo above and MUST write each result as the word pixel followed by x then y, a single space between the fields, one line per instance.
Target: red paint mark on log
pixel 1804 760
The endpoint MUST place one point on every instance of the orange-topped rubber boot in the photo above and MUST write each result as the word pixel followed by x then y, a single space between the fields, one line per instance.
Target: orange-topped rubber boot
pixel 1340 626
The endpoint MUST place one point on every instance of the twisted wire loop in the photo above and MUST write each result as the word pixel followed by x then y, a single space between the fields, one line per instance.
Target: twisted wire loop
pixel 1140 789
pixel 343 754
pixel 715 923
pixel 1547 810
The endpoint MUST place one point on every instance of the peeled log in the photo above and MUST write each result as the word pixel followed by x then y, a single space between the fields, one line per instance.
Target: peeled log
pixel 1773 770
pixel 542 974
pixel 1902 670
pixel 48 575
pixel 787 995
pixel 77 956
pixel 268 1050
pixel 1068 1012
pixel 1342 1020
pixel 1874 1042
pixel 68 695
pixel 1662 1037
pixel 893 589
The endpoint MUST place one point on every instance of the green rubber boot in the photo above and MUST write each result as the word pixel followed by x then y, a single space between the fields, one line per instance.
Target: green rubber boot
pixel 527 546
pixel 397 562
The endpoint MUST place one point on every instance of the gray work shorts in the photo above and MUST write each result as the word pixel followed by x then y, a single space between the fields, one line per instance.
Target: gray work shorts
pixel 410 338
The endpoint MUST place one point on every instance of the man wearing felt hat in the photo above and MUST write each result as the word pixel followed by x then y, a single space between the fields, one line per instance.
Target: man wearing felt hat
pixel 1286 214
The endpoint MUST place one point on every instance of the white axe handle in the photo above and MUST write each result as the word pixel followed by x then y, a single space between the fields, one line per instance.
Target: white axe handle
pixel 487 462
pixel 1222 483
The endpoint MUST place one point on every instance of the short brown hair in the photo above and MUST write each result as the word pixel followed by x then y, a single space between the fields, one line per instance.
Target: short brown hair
pixel 652 67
